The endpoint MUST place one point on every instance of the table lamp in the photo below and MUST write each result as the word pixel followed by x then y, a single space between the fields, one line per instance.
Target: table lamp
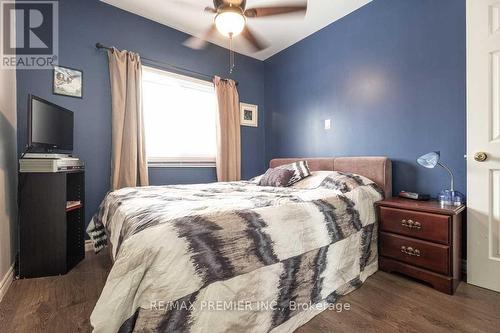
pixel 445 197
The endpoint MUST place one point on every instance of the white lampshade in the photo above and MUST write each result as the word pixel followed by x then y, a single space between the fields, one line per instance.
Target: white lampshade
pixel 429 160
pixel 230 23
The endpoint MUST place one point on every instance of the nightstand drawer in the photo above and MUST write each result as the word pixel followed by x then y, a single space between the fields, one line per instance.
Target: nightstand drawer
pixel 428 226
pixel 434 257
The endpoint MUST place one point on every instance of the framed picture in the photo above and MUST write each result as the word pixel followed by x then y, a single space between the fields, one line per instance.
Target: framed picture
pixel 68 82
pixel 249 115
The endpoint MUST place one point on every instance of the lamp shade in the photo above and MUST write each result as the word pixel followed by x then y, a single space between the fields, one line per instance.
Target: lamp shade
pixel 429 160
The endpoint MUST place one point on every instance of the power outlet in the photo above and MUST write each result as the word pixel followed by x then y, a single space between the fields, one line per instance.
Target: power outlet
pixel 328 124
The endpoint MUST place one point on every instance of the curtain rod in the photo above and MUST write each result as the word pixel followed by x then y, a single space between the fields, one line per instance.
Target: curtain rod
pixel 174 67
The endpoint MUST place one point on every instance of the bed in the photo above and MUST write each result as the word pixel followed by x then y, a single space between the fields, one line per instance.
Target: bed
pixel 238 257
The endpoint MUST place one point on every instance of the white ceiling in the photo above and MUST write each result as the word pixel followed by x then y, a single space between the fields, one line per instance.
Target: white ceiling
pixel 279 32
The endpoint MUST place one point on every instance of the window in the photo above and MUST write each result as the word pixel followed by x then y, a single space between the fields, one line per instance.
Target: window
pixel 179 119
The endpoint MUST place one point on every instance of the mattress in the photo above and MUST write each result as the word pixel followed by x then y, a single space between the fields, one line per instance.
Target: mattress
pixel 233 257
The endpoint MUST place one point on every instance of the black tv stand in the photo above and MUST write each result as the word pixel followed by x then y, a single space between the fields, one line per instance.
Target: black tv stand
pixel 51 235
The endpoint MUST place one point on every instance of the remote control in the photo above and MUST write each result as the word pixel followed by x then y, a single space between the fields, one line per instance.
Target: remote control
pixel 414 196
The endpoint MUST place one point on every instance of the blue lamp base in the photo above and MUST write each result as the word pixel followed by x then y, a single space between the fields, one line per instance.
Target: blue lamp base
pixel 447 197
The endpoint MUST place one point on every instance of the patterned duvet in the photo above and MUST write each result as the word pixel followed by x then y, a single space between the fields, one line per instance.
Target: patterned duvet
pixel 233 257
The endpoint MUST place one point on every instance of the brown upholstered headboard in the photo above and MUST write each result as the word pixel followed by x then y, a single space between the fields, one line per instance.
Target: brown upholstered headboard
pixel 376 168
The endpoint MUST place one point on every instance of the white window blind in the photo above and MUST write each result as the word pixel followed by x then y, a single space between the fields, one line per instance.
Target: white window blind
pixel 179 119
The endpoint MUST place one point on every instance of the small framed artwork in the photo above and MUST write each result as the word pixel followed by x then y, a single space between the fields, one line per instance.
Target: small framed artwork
pixel 68 82
pixel 249 115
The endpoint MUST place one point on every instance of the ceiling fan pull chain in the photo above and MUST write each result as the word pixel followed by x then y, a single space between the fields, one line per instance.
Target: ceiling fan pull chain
pixel 232 62
pixel 231 54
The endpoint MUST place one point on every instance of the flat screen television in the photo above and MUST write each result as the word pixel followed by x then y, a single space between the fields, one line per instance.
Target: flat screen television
pixel 50 127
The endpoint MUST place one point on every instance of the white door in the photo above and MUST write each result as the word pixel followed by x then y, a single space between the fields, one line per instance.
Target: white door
pixel 483 135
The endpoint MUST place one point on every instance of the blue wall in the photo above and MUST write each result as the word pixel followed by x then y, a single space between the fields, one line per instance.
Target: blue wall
pixel 391 76
pixel 82 24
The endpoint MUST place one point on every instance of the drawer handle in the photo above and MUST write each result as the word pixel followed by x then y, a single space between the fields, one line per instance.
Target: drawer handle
pixel 410 224
pixel 410 251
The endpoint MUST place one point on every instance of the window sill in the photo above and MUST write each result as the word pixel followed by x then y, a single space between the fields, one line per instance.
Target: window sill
pixel 181 164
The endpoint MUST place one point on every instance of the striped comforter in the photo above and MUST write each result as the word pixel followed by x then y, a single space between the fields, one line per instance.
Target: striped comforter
pixel 233 257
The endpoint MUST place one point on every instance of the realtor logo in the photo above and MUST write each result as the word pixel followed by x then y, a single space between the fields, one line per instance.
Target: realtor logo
pixel 29 32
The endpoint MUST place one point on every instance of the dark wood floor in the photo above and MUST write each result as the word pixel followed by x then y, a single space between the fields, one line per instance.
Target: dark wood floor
pixel 385 303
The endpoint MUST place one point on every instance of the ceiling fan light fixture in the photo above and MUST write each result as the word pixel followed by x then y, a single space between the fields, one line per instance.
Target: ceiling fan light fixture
pixel 230 22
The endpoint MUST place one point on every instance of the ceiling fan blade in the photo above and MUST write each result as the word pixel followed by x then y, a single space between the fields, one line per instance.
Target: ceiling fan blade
pixel 272 11
pixel 210 10
pixel 257 43
pixel 196 43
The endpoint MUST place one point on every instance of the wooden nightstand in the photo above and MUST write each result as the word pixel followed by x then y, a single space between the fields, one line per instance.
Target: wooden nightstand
pixel 421 239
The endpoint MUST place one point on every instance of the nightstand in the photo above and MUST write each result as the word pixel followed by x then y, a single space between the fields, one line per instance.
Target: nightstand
pixel 422 240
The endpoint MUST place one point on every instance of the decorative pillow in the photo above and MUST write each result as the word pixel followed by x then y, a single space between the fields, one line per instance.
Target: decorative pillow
pixel 276 177
pixel 300 171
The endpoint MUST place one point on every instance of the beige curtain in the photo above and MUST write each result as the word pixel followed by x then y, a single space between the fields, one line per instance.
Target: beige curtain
pixel 228 158
pixel 128 154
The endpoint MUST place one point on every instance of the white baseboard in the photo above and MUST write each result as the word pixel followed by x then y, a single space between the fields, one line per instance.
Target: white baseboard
pixel 6 282
pixel 89 247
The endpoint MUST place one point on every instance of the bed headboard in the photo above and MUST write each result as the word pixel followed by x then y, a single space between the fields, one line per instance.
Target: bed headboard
pixel 376 168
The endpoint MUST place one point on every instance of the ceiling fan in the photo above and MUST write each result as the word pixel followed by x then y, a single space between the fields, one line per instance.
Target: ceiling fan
pixel 231 20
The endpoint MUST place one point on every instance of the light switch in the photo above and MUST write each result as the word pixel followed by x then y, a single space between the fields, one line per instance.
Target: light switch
pixel 328 124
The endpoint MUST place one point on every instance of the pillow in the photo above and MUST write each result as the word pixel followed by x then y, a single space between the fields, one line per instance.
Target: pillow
pixel 256 179
pixel 300 171
pixel 346 182
pixel 342 181
pixel 313 181
pixel 276 177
